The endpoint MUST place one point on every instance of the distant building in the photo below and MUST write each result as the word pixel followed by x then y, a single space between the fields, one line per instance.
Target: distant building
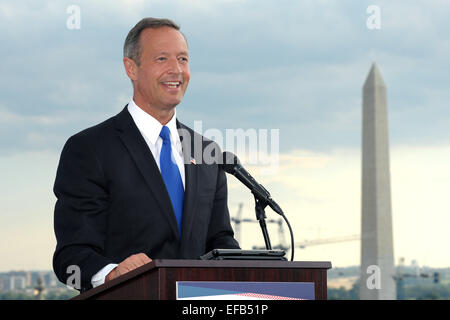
pixel 15 280
pixel 20 280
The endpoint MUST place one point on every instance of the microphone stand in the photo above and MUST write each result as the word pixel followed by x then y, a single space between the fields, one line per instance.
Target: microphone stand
pixel 261 216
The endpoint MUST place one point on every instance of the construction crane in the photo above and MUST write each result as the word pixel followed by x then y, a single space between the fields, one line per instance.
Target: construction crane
pixel 237 223
pixel 316 242
pixel 282 243
pixel 238 220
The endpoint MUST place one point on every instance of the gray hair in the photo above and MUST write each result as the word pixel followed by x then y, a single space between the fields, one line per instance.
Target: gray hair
pixel 131 48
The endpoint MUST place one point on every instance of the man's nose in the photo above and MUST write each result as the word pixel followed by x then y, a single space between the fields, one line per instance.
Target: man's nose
pixel 174 66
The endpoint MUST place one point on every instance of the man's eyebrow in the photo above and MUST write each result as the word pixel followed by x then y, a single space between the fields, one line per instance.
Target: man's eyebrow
pixel 165 53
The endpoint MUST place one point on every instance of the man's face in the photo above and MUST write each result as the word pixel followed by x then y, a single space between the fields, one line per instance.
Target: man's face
pixel 163 75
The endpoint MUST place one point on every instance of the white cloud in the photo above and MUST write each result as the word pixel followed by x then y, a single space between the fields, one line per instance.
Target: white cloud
pixel 320 194
pixel 13 118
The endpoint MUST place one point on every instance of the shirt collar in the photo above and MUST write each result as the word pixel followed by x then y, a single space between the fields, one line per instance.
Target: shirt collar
pixel 149 126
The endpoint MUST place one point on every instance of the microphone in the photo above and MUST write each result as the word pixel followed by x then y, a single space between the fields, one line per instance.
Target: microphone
pixel 231 164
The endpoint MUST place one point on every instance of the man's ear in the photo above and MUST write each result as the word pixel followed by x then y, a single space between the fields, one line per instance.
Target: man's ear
pixel 130 68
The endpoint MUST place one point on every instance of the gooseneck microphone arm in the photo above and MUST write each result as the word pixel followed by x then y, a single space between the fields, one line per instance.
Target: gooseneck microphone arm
pixel 230 164
pixel 261 217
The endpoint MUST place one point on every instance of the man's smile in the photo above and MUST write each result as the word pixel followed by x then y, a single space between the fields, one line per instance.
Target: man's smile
pixel 172 84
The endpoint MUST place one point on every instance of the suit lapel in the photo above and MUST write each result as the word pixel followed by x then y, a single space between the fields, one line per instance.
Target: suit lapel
pixel 142 156
pixel 191 181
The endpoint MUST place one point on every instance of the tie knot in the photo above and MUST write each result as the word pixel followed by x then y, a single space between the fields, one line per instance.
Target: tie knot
pixel 165 134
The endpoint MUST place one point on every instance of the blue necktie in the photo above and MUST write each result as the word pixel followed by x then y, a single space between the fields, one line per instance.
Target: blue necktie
pixel 171 176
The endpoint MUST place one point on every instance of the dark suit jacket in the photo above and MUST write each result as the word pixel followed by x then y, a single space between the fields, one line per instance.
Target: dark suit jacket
pixel 112 201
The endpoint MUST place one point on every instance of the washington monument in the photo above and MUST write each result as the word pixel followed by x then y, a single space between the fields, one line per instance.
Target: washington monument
pixel 377 253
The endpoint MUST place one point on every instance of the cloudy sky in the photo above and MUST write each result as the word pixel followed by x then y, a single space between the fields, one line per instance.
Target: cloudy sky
pixel 293 66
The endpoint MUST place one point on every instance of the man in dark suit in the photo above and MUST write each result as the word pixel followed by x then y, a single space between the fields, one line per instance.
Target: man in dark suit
pixel 137 187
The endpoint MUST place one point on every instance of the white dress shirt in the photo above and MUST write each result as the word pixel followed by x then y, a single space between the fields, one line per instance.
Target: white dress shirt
pixel 150 129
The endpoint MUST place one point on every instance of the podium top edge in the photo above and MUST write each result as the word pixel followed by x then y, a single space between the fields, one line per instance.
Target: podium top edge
pixel 168 263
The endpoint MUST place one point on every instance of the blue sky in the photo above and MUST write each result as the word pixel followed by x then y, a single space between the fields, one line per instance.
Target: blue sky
pixel 296 66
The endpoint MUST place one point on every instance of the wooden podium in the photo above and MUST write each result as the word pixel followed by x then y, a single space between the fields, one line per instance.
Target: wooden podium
pixel 157 279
